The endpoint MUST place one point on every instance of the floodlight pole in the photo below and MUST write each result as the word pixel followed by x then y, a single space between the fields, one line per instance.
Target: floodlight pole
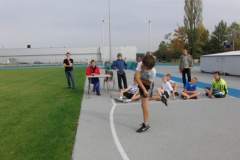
pixel 150 35
pixel 109 31
pixel 103 32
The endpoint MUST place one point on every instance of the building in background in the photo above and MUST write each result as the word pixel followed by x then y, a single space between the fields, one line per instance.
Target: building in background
pixel 56 55
pixel 226 63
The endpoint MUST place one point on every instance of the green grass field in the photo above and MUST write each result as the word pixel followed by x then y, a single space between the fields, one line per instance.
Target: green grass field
pixel 38 114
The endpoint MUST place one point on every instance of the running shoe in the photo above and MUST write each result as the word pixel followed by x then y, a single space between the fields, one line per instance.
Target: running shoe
pixel 127 100
pixel 143 128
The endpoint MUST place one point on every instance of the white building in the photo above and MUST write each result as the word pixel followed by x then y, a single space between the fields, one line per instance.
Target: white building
pixel 56 55
pixel 228 63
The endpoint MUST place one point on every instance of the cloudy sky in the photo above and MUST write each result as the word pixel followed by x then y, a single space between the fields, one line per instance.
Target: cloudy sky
pixel 78 23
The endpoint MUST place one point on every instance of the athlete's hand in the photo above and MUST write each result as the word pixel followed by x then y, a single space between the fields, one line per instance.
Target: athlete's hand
pixel 146 93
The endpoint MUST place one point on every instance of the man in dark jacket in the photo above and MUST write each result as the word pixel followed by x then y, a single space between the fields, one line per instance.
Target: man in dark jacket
pixel 120 65
pixel 68 65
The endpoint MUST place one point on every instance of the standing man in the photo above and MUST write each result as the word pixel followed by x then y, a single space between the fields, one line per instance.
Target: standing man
pixel 186 63
pixel 120 65
pixel 68 65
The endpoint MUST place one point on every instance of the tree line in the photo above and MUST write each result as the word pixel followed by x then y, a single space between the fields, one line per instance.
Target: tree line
pixel 196 38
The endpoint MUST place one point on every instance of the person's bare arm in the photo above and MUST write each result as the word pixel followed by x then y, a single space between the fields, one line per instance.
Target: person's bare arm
pixel 65 65
pixel 70 64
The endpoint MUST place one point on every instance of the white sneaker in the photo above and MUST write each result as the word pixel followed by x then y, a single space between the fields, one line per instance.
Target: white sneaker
pixel 127 100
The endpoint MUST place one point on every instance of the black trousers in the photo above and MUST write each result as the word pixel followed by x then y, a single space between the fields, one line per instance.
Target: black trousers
pixel 186 72
pixel 122 77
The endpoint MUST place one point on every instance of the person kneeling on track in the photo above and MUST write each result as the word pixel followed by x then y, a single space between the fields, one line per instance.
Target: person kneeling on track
pixel 190 91
pixel 219 87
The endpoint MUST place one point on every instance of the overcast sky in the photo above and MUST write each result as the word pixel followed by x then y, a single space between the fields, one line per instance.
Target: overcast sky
pixel 77 23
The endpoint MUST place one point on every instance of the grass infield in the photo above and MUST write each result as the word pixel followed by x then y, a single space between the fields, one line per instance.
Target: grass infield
pixel 38 114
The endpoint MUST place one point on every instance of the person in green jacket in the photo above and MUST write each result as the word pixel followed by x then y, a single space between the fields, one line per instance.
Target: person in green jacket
pixel 219 87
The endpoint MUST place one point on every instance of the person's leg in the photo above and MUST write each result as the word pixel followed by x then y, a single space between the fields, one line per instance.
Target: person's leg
pixel 145 109
pixel 93 81
pixel 194 95
pixel 121 94
pixel 184 77
pixel 124 78
pixel 155 98
pixel 145 125
pixel 72 79
pixel 175 88
pixel 145 106
pixel 207 91
pixel 97 86
pixel 188 71
pixel 151 89
pixel 68 79
pixel 136 97
pixel 218 94
pixel 119 81
pixel 160 92
pixel 185 95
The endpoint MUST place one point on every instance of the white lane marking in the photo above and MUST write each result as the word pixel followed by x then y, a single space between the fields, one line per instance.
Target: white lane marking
pixel 114 133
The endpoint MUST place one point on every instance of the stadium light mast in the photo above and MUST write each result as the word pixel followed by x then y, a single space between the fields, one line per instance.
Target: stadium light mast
pixel 109 31
pixel 149 35
pixel 103 32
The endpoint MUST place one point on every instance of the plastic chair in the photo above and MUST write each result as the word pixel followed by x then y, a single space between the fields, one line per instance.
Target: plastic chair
pixel 110 80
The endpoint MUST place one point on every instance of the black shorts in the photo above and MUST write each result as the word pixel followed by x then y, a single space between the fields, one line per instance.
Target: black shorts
pixel 142 92
pixel 128 95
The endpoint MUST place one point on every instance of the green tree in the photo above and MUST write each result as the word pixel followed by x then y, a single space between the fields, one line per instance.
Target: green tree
pixel 192 21
pixel 203 40
pixel 218 37
pixel 234 38
pixel 178 42
pixel 162 53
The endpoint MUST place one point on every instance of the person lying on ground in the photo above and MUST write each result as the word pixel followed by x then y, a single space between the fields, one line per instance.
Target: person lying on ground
pixel 164 92
pixel 130 94
pixel 219 87
pixel 190 91
pixel 173 83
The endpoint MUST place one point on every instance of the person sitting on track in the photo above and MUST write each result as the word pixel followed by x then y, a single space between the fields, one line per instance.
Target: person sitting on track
pixel 190 91
pixel 130 94
pixel 93 70
pixel 219 87
pixel 164 91
pixel 173 83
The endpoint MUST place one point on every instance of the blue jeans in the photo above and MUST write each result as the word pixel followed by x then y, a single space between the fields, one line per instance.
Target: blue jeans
pixel 96 85
pixel 70 79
